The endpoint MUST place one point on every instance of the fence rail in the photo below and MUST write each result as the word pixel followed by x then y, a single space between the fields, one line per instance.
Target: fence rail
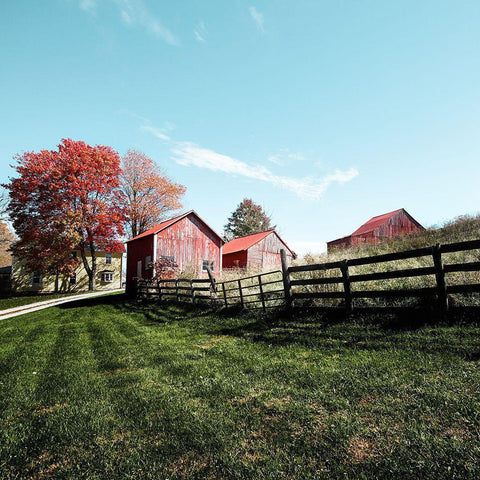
pixel 330 282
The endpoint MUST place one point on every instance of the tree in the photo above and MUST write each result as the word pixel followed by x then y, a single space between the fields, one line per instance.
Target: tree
pixel 63 200
pixel 149 193
pixel 165 268
pixel 248 218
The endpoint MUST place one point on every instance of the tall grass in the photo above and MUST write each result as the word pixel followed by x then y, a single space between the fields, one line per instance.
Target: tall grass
pixel 458 230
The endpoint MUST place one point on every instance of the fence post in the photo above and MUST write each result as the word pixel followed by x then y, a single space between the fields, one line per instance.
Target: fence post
pixel 262 298
pixel 346 286
pixel 212 278
pixel 224 295
pixel 192 290
pixel 176 289
pixel 286 282
pixel 241 293
pixel 440 278
pixel 159 290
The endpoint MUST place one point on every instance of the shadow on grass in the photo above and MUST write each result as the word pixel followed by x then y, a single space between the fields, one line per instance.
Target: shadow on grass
pixel 107 299
pixel 419 329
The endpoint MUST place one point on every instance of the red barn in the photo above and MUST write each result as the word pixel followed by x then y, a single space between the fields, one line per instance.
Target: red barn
pixel 186 239
pixel 260 250
pixel 379 228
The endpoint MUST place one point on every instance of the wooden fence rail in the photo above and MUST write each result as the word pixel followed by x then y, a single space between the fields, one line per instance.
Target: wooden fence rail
pixel 328 282
pixel 439 291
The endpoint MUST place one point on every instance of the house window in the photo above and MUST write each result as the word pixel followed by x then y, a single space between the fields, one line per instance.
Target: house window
pixel 36 278
pixel 209 264
pixel 108 259
pixel 107 277
pixel 73 279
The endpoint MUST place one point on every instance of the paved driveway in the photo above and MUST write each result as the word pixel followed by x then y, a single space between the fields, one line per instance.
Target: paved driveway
pixel 33 307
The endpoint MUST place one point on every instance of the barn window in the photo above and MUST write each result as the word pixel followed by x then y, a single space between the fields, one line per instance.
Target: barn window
pixel 36 278
pixel 73 279
pixel 108 259
pixel 209 264
pixel 148 261
pixel 107 277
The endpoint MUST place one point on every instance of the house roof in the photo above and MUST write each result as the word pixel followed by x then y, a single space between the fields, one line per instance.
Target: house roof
pixel 375 222
pixel 167 223
pixel 244 243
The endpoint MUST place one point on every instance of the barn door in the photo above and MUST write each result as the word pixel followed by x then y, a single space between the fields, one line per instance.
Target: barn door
pixel 139 269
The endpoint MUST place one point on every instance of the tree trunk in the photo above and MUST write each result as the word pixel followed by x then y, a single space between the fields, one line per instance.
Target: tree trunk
pixel 56 281
pixel 88 269
pixel 91 278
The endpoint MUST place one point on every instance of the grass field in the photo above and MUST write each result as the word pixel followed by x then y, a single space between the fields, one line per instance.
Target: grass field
pixel 107 389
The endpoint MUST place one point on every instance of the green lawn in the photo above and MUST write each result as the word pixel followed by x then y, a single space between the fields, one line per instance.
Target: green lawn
pixel 107 389
pixel 11 302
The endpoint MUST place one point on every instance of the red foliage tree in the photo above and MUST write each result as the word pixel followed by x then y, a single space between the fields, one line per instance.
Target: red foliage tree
pixel 66 199
pixel 165 268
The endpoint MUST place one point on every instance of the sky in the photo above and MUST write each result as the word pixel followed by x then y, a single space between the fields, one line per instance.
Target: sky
pixel 326 113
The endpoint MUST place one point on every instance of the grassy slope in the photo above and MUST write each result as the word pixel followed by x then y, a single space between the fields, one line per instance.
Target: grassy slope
pixel 114 390
pixel 458 230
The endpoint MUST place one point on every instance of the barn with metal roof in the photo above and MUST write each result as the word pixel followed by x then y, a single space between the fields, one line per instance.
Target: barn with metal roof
pixel 187 240
pixel 259 250
pixel 378 229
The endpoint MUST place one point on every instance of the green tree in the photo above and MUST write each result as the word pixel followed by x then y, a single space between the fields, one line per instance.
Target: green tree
pixel 248 218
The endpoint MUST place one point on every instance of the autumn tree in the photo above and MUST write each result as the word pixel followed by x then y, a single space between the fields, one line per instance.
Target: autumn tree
pixel 150 195
pixel 248 218
pixel 63 200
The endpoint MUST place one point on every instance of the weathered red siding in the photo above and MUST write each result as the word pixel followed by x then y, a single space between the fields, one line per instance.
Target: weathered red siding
pixel 378 229
pixel 266 253
pixel 139 250
pixel 190 242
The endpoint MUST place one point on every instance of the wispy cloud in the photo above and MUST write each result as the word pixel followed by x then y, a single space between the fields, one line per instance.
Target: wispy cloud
pixel 190 154
pixel 156 132
pixel 200 32
pixel 89 6
pixel 133 13
pixel 285 156
pixel 257 18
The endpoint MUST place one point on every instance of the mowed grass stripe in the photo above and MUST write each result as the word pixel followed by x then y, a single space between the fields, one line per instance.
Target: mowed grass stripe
pixel 142 391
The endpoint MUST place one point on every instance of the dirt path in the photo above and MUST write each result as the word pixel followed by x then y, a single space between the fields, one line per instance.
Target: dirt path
pixel 33 307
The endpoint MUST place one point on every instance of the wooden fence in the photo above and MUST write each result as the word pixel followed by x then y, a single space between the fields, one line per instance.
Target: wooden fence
pixel 261 291
pixel 331 284
pixel 343 277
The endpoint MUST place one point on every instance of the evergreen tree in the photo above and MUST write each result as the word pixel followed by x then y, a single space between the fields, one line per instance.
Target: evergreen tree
pixel 248 218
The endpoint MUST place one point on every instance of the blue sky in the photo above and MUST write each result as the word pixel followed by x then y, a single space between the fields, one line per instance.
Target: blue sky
pixel 326 113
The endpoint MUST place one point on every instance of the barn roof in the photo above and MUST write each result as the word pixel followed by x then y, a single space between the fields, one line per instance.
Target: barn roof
pixel 167 223
pixel 244 243
pixel 375 222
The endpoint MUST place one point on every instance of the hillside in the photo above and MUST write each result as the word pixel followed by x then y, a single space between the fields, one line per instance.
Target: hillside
pixel 458 230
